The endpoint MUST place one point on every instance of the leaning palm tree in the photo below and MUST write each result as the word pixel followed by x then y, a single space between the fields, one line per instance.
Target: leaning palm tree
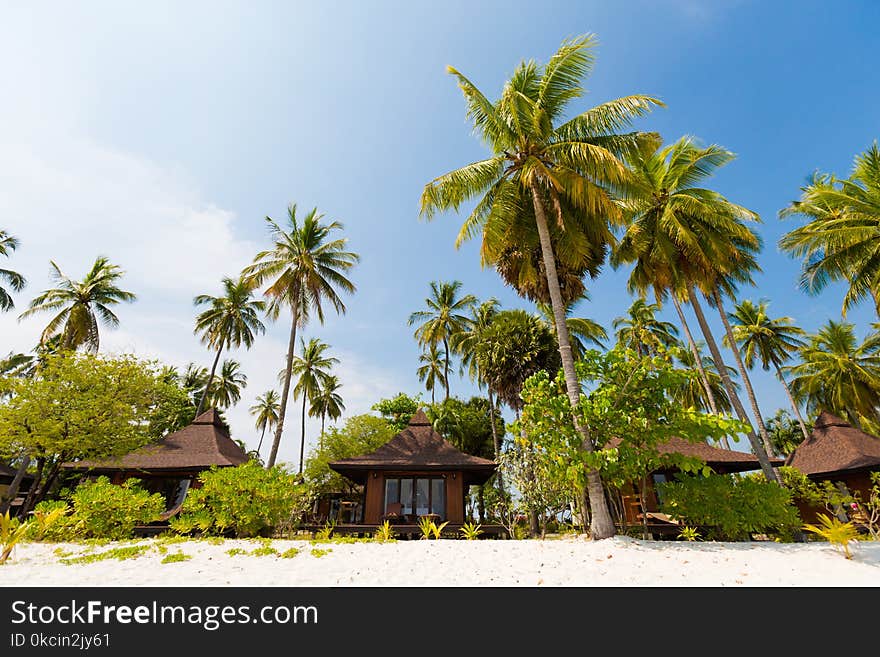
pixel 772 341
pixel 327 403
pixel 693 393
pixel 546 184
pixel 312 369
pixel 225 389
pixel 266 413
pixel 641 331
pixel 81 305
pixel 304 269
pixel 443 319
pixel 231 320
pixel 582 331
pixel 841 242
pixel 16 281
pixel 432 367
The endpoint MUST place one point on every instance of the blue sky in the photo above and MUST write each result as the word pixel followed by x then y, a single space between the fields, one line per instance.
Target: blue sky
pixel 161 135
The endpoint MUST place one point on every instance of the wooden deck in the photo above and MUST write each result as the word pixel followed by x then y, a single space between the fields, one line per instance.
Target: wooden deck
pixel 406 530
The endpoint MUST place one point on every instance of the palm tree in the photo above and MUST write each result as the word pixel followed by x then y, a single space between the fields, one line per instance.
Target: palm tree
pixel 682 237
pixel 839 375
pixel 433 366
pixel 773 341
pixel 225 389
pixel 327 403
pixel 266 413
pixel 16 281
pixel 231 320
pixel 694 393
pixel 841 242
pixel 642 332
pixel 539 167
pixel 582 331
pixel 312 370
pixel 304 268
pixel 443 319
pixel 81 304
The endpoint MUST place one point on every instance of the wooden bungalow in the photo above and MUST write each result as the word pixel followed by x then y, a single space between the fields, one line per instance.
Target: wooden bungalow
pixel 7 475
pixel 415 474
pixel 837 452
pixel 171 466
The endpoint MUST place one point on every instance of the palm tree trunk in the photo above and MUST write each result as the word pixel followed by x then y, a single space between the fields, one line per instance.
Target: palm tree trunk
pixel 321 439
pixel 496 442
pixel 602 524
pixel 208 384
pixel 12 491
pixel 285 392
pixel 302 441
pixel 262 435
pixel 794 406
pixel 757 448
pixel 446 367
pixel 743 372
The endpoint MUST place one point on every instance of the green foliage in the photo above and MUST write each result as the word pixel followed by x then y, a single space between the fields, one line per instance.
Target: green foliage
pixel 467 425
pixel 176 557
pixel 471 531
pixel 246 500
pixel 689 534
pixel 235 551
pixel 398 410
pixel 732 508
pixel 12 532
pixel 431 529
pixel 785 432
pixel 318 552
pixel 264 551
pixel 119 553
pixel 51 522
pixel 105 510
pixel 385 532
pixel 836 532
pixel 289 553
pixel 326 531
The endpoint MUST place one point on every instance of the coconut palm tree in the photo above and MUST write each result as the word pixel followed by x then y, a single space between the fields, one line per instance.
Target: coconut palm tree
pixel 694 393
pixel 582 331
pixel 231 320
pixel 541 166
pixel 443 319
pixel 839 374
pixel 841 242
pixel 772 341
pixel 327 403
pixel 312 369
pixel 305 268
pixel 432 369
pixel 225 389
pixel 16 281
pixel 81 305
pixel 266 413
pixel 641 331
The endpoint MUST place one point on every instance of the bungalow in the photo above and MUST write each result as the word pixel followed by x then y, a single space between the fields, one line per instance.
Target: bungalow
pixel 7 475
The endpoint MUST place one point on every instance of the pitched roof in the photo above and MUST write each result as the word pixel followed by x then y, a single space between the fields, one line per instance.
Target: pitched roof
pixel 200 445
pixel 417 448
pixel 720 460
pixel 835 446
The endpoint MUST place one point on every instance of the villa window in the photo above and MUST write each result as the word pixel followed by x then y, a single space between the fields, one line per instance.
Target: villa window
pixel 417 495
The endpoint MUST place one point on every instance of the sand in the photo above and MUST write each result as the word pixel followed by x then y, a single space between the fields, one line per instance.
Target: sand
pixel 568 561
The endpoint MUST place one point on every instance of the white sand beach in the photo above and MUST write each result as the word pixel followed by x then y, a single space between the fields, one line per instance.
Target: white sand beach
pixel 570 561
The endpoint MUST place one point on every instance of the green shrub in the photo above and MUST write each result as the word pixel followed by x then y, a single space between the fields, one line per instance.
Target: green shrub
pixel 731 508
pixel 52 521
pixel 105 510
pixel 289 554
pixel 175 557
pixel 245 501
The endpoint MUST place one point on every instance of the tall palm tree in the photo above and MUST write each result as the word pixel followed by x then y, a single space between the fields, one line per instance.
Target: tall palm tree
pixel 266 413
pixel 225 389
pixel 433 365
pixel 443 319
pixel 641 331
pixel 839 374
pixel 772 341
pixel 327 403
pixel 305 268
pixel 841 242
pixel 582 331
pixel 694 393
pixel 231 320
pixel 540 166
pixel 682 237
pixel 16 281
pixel 312 369
pixel 81 305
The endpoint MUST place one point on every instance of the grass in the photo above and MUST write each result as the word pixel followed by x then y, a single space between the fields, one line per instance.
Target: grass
pixel 120 553
pixel 317 552
pixel 235 551
pixel 289 554
pixel 176 557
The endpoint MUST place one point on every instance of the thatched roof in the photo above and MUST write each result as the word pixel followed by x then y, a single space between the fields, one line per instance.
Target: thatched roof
pixel 418 448
pixel 835 447
pixel 198 446
pixel 721 460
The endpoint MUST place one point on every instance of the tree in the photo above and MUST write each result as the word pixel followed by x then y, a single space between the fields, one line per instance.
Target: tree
pixel 303 269
pixel 397 411
pixel 772 341
pixel 542 167
pixel 14 280
pixel 225 390
pixel 433 367
pixel 642 332
pixel 231 320
pixel 327 403
pixel 785 432
pixel 582 330
pixel 840 375
pixel 311 370
pixel 693 392
pixel 443 319
pixel 841 242
pixel 80 305
pixel 266 413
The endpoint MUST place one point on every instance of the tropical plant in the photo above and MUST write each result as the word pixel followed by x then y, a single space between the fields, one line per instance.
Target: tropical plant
pixel 785 432
pixel 694 391
pixel 443 319
pixel 398 410
pixel 841 241
pixel 327 402
pixel 305 268
pixel 16 281
pixel 326 532
pixel 689 534
pixel 471 531
pixel 641 331
pixel 231 320
pixel 12 532
pixel 838 533
pixel 225 389
pixel 582 331
pixel 433 365
pixel 385 532
pixel 311 369
pixel 105 510
pixel 81 305
pixel 541 166
pixel 266 413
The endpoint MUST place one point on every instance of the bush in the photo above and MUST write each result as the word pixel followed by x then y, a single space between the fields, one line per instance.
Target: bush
pixel 105 510
pixel 246 501
pixel 731 508
pixel 52 521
